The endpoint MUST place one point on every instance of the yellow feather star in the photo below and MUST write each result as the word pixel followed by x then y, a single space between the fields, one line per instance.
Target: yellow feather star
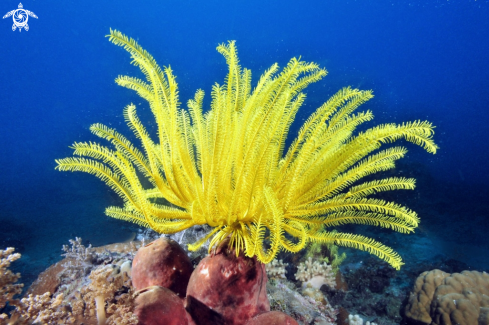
pixel 226 167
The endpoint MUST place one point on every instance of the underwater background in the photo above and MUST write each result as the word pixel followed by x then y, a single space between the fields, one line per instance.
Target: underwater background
pixel 424 60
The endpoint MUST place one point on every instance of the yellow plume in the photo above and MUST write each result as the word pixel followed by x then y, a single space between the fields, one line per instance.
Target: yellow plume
pixel 228 167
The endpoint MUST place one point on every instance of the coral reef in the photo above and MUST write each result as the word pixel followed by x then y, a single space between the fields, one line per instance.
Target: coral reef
pixel 443 298
pixel 38 309
pixel 363 276
pixel 418 307
pixel 49 280
pixel 43 309
pixel 224 289
pixel 98 292
pixel 327 253
pixel 283 297
pixel 276 269
pixel 106 293
pixel 107 285
pixel 314 274
pixel 8 286
pixel 357 320
pixel 79 258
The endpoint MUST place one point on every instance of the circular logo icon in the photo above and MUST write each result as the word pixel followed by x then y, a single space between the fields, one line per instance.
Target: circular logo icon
pixel 20 17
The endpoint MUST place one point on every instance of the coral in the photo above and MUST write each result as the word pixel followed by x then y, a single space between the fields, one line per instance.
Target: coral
pixel 126 267
pixel 49 280
pixel 107 286
pixel 315 274
pixel 305 310
pixel 276 269
pixel 162 263
pixel 233 286
pixel 327 253
pixel 228 167
pixel 122 315
pixel 42 309
pixel 8 286
pixel 418 307
pixel 38 309
pixel 106 283
pixel 72 273
pixel 79 260
pixel 83 300
pixel 110 252
pixel 357 320
pixel 78 251
pixel 121 308
pixel 272 318
pixel 443 298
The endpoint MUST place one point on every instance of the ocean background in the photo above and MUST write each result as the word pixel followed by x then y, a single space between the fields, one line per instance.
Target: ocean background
pixel 424 60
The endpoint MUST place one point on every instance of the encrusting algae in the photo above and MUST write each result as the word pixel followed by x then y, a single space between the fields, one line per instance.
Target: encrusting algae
pixel 228 166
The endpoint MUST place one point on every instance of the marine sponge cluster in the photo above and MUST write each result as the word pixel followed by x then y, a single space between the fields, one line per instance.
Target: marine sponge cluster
pixel 224 288
pixel 444 298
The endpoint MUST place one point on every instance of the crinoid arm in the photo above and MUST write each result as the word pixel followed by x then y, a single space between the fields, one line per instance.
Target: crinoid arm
pixel 228 166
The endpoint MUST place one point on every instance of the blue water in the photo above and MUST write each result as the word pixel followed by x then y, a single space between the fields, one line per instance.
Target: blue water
pixel 423 59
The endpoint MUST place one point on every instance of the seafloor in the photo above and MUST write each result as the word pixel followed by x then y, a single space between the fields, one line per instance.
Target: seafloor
pixel 452 237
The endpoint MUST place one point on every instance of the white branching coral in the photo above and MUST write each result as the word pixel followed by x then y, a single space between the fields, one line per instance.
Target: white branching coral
pixel 39 309
pixel 8 286
pixel 79 258
pixel 357 320
pixel 315 274
pixel 77 250
pixel 106 282
pixel 276 269
pixel 42 309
